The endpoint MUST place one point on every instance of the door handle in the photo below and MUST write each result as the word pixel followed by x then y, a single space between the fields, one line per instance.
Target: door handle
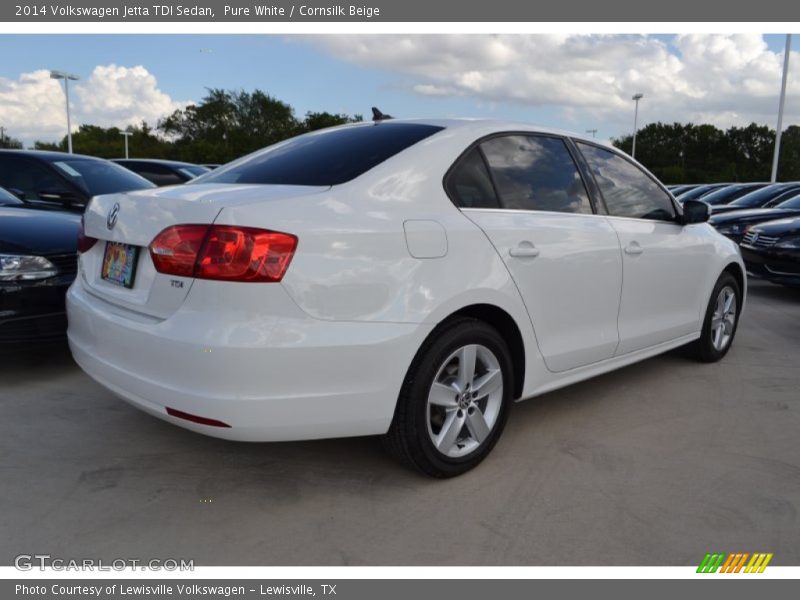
pixel 634 249
pixel 524 250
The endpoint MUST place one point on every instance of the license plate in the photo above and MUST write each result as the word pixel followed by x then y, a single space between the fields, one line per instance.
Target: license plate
pixel 119 264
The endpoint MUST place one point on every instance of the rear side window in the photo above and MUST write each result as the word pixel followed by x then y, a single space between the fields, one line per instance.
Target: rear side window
pixel 326 158
pixel 469 184
pixel 627 190
pixel 536 173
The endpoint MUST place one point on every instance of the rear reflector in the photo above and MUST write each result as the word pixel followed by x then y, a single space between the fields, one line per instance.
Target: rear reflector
pixel 195 419
pixel 223 252
pixel 85 242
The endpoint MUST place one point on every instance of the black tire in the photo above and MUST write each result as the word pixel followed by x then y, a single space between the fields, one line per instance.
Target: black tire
pixel 408 439
pixel 703 349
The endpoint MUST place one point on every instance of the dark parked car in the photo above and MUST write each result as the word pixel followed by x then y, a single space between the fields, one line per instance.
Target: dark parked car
pixel 731 192
pixel 697 192
pixel 38 262
pixel 771 251
pixel 64 180
pixel 759 198
pixel 733 224
pixel 679 189
pixel 163 172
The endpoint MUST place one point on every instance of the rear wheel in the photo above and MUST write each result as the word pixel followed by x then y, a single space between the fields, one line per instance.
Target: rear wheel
pixel 454 402
pixel 721 320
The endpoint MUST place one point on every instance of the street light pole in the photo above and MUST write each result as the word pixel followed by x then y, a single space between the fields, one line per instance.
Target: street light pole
pixel 67 77
pixel 781 103
pixel 635 98
pixel 592 131
pixel 127 134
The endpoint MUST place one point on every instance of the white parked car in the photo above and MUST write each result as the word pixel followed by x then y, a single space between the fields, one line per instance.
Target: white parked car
pixel 406 278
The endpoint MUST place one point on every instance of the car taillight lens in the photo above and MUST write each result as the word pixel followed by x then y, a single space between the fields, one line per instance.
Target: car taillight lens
pixel 223 252
pixel 85 242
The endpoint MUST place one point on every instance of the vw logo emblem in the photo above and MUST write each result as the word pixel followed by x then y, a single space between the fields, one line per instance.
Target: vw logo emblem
pixel 111 220
pixel 755 238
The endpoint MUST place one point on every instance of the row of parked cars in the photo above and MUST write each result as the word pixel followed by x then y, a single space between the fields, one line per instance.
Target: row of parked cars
pixel 763 218
pixel 42 197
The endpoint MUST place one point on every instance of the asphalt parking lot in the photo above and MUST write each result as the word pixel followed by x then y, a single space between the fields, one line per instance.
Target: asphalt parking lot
pixel 655 464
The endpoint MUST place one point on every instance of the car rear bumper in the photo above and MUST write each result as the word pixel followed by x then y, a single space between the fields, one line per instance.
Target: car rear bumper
pixel 279 378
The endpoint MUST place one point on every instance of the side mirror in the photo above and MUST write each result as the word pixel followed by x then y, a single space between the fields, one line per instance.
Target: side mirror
pixel 695 211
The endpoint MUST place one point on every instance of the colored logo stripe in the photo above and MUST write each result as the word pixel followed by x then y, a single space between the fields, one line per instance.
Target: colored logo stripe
pixel 734 562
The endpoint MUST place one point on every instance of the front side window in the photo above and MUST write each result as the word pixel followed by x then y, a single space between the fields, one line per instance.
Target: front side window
pixel 535 173
pixel 28 177
pixel 627 190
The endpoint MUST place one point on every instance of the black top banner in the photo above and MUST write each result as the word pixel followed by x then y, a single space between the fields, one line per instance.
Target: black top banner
pixel 406 11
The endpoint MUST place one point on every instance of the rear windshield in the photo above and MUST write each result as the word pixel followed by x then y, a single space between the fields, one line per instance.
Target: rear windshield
pixel 97 177
pixel 327 158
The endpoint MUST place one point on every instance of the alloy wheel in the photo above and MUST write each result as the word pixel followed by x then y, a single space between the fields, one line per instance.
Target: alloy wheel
pixel 724 318
pixel 464 400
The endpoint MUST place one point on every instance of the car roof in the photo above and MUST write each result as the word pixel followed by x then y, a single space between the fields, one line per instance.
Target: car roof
pixel 483 127
pixel 47 155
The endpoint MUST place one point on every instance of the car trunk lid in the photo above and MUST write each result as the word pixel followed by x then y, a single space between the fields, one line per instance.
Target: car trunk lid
pixel 135 219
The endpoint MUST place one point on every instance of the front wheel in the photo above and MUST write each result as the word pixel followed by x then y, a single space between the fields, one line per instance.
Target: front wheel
pixel 721 320
pixel 454 402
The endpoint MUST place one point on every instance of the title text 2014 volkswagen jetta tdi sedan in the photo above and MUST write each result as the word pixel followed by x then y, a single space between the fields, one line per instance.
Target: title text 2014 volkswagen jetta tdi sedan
pixel 404 278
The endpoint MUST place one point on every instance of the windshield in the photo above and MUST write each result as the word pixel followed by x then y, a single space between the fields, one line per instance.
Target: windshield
pixel 760 197
pixel 9 199
pixel 325 158
pixel 96 177
pixel 793 202
pixel 193 171
pixel 727 194
pixel 697 192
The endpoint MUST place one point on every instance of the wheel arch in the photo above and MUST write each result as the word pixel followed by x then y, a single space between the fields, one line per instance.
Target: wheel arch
pixel 505 324
pixel 736 270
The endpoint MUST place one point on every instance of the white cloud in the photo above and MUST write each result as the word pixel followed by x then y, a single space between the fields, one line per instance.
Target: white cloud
pixel 32 106
pixel 722 79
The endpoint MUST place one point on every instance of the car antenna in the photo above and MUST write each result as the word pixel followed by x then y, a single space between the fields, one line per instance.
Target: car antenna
pixel 378 116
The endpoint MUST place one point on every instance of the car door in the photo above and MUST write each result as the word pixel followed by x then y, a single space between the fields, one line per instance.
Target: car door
pixel 664 264
pixel 526 193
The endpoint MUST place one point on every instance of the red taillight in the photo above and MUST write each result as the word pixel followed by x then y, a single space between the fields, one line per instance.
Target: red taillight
pixel 85 242
pixel 174 251
pixel 223 252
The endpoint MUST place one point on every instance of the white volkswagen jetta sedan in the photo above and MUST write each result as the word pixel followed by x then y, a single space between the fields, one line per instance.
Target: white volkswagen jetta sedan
pixel 404 278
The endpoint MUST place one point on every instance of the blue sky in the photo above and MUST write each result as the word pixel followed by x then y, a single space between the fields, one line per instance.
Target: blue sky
pixel 310 74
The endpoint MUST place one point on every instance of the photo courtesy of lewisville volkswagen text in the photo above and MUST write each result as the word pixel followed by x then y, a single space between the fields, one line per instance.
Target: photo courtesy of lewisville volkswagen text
pixel 320 299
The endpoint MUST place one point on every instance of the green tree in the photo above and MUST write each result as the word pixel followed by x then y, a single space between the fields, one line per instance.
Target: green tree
pixel 109 142
pixel 9 142
pixel 321 120
pixel 228 124
pixel 690 153
pixel 789 163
